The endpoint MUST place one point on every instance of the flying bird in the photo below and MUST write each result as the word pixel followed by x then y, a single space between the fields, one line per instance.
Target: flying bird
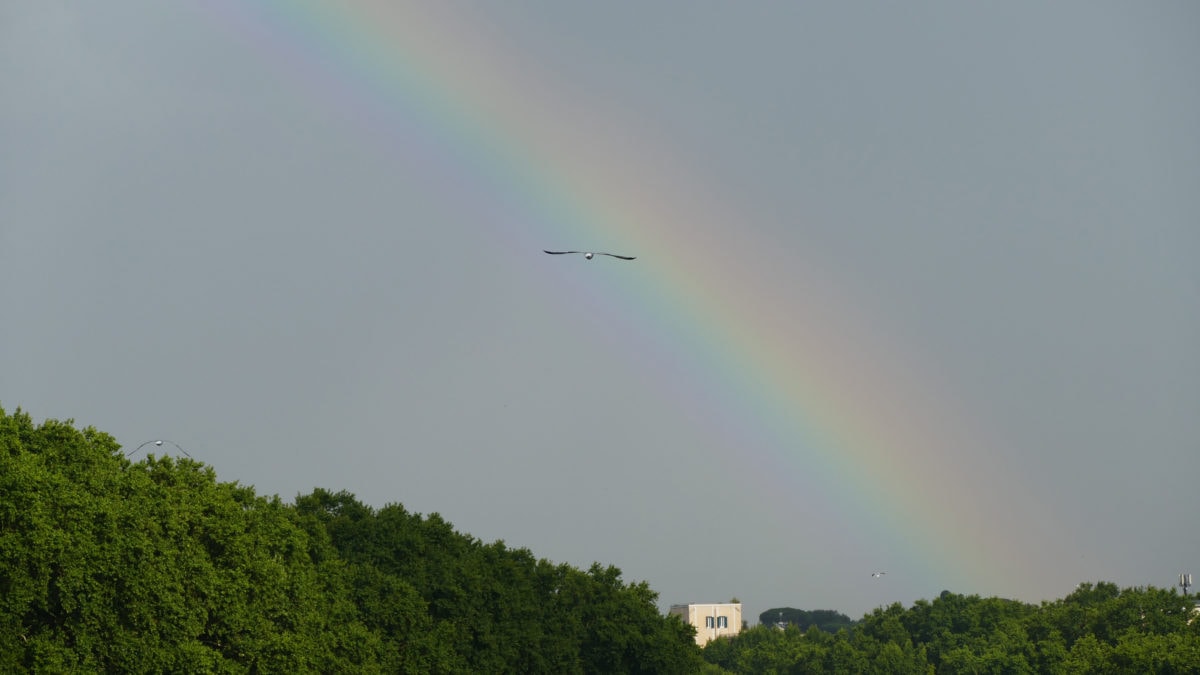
pixel 878 574
pixel 589 255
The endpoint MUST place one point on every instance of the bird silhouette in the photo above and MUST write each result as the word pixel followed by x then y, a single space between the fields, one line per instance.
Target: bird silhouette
pixel 878 574
pixel 589 255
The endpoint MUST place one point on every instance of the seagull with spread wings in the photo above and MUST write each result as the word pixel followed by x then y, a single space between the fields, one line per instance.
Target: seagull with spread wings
pixel 589 255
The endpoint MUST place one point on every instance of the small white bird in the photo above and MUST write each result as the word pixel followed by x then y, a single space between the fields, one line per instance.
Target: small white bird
pixel 878 574
pixel 589 255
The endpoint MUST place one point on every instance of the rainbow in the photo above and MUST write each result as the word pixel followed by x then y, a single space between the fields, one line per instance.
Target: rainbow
pixel 816 399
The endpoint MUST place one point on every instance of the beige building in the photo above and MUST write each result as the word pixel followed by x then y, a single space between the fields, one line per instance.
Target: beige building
pixel 721 619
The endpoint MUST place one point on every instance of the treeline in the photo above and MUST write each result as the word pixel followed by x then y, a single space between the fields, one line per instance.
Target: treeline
pixel 108 565
pixel 1096 629
pixel 826 620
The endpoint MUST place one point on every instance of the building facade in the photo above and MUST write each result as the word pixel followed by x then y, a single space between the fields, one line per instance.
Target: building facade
pixel 711 620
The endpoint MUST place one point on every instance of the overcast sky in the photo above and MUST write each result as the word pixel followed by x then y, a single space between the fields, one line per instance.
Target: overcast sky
pixel 916 290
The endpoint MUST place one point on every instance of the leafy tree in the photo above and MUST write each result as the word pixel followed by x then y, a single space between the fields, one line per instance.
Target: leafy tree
pixel 1097 628
pixel 502 609
pixel 825 619
pixel 106 565
pixel 112 566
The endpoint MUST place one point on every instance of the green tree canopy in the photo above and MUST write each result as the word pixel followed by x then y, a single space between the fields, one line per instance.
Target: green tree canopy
pixel 1096 628
pixel 824 619
pixel 108 565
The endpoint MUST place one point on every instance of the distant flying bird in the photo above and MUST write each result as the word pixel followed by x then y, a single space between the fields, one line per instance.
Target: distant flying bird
pixel 157 444
pixel 878 574
pixel 589 255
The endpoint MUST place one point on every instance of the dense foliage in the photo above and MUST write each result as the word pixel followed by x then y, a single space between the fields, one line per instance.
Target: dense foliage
pixel 107 565
pixel 1096 629
pixel 827 620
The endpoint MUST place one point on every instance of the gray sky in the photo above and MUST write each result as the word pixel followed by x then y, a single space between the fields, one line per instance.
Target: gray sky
pixel 916 286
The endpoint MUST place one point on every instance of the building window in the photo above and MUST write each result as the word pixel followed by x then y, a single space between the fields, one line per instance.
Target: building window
pixel 709 621
pixel 722 622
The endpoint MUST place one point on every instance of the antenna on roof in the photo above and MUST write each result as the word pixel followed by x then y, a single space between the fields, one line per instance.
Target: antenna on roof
pixel 1185 580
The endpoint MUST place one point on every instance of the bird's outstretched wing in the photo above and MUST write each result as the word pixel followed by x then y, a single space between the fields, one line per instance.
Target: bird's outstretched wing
pixel 589 255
